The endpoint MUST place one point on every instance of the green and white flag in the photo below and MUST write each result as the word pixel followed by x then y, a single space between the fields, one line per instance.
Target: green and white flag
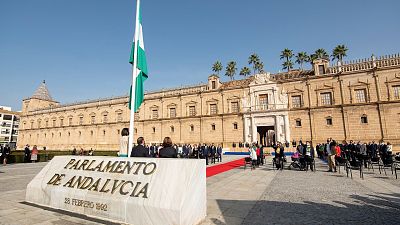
pixel 141 64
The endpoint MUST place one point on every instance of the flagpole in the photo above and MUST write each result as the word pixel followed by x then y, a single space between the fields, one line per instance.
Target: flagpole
pixel 134 75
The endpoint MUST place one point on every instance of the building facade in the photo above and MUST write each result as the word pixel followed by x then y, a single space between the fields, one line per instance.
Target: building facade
pixel 9 126
pixel 358 101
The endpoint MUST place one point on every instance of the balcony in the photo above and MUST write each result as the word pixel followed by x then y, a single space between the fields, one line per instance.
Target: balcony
pixel 265 107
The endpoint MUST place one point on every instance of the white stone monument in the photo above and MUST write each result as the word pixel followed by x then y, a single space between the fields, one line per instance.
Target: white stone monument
pixel 129 190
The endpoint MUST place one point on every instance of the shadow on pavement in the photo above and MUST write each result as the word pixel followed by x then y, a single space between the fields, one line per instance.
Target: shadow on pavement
pixel 372 209
pixel 76 215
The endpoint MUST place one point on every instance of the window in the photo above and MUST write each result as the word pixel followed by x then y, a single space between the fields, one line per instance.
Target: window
pixel 104 132
pixel 172 112
pixel 118 132
pixel 7 117
pixel 396 92
pixel 31 125
pixel 326 98
pixel 93 119
pixel 91 133
pixel 135 130
pixel 296 101
pixel 154 129
pixel 61 122
pixel 191 128
pixel 235 126
pixel 298 122
pixel 80 133
pixel 47 123
pixel 105 118
pixel 119 117
pixel 39 123
pixel 213 86
pixel 321 69
pixel 70 121
pixel 155 113
pixel 263 100
pixel 54 123
pixel 213 109
pixel 69 134
pixel 172 128
pixel 81 120
pixel 212 126
pixel 360 95
pixel 192 110
pixel 329 121
pixel 234 107
pixel 364 119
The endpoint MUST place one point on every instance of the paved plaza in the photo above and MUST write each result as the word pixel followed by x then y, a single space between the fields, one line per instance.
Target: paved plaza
pixel 238 196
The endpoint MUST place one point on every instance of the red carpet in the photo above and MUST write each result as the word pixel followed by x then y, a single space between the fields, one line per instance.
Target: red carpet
pixel 214 170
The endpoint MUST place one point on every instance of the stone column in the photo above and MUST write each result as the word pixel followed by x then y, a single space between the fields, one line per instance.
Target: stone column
pixel 277 129
pixel 246 129
pixel 287 128
pixel 254 131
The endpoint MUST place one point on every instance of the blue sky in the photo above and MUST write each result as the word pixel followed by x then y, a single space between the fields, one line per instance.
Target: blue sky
pixel 81 47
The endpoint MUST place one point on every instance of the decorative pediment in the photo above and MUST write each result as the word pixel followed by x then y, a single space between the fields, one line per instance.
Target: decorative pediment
pixel 171 105
pixel 154 107
pixel 92 114
pixel 261 79
pixel 232 98
pixel 324 86
pixel 191 103
pixel 212 100
pixel 395 79
pixel 295 90
pixel 118 111
pixel 104 113
pixel 359 83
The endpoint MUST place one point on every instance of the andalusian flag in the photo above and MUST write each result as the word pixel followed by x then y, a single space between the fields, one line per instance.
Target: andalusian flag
pixel 138 59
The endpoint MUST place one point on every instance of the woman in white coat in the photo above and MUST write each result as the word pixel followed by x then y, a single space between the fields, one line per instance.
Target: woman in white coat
pixel 253 156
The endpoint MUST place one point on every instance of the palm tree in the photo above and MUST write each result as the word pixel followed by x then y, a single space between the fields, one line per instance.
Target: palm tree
pixel 339 52
pixel 321 54
pixel 287 54
pixel 301 58
pixel 259 67
pixel 253 60
pixel 245 71
pixel 217 67
pixel 231 69
pixel 287 65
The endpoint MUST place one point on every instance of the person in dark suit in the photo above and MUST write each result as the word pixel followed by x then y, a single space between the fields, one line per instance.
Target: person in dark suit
pixel 219 152
pixel 205 151
pixel 152 151
pixel 213 152
pixel 139 150
pixel 168 151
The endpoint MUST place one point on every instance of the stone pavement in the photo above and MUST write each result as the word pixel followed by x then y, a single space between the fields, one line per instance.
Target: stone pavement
pixel 238 196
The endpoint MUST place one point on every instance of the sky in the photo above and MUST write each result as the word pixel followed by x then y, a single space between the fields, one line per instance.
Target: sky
pixel 81 47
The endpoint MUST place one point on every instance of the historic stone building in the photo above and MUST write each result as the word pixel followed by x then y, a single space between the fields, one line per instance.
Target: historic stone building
pixel 358 100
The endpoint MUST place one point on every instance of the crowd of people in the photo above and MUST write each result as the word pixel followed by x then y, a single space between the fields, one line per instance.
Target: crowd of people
pixel 210 152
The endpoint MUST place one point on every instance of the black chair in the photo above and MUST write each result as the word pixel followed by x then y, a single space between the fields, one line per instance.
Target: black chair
pixel 356 163
pixel 247 161
pixel 343 161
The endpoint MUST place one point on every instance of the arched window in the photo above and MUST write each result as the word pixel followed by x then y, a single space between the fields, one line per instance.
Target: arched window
pixel 172 128
pixel 91 133
pixel 154 129
pixel 191 128
pixel 235 126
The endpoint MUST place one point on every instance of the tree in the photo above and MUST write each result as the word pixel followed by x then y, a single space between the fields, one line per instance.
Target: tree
pixel 259 67
pixel 321 54
pixel 245 71
pixel 253 60
pixel 301 58
pixel 287 54
pixel 339 52
pixel 217 67
pixel 287 65
pixel 231 69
